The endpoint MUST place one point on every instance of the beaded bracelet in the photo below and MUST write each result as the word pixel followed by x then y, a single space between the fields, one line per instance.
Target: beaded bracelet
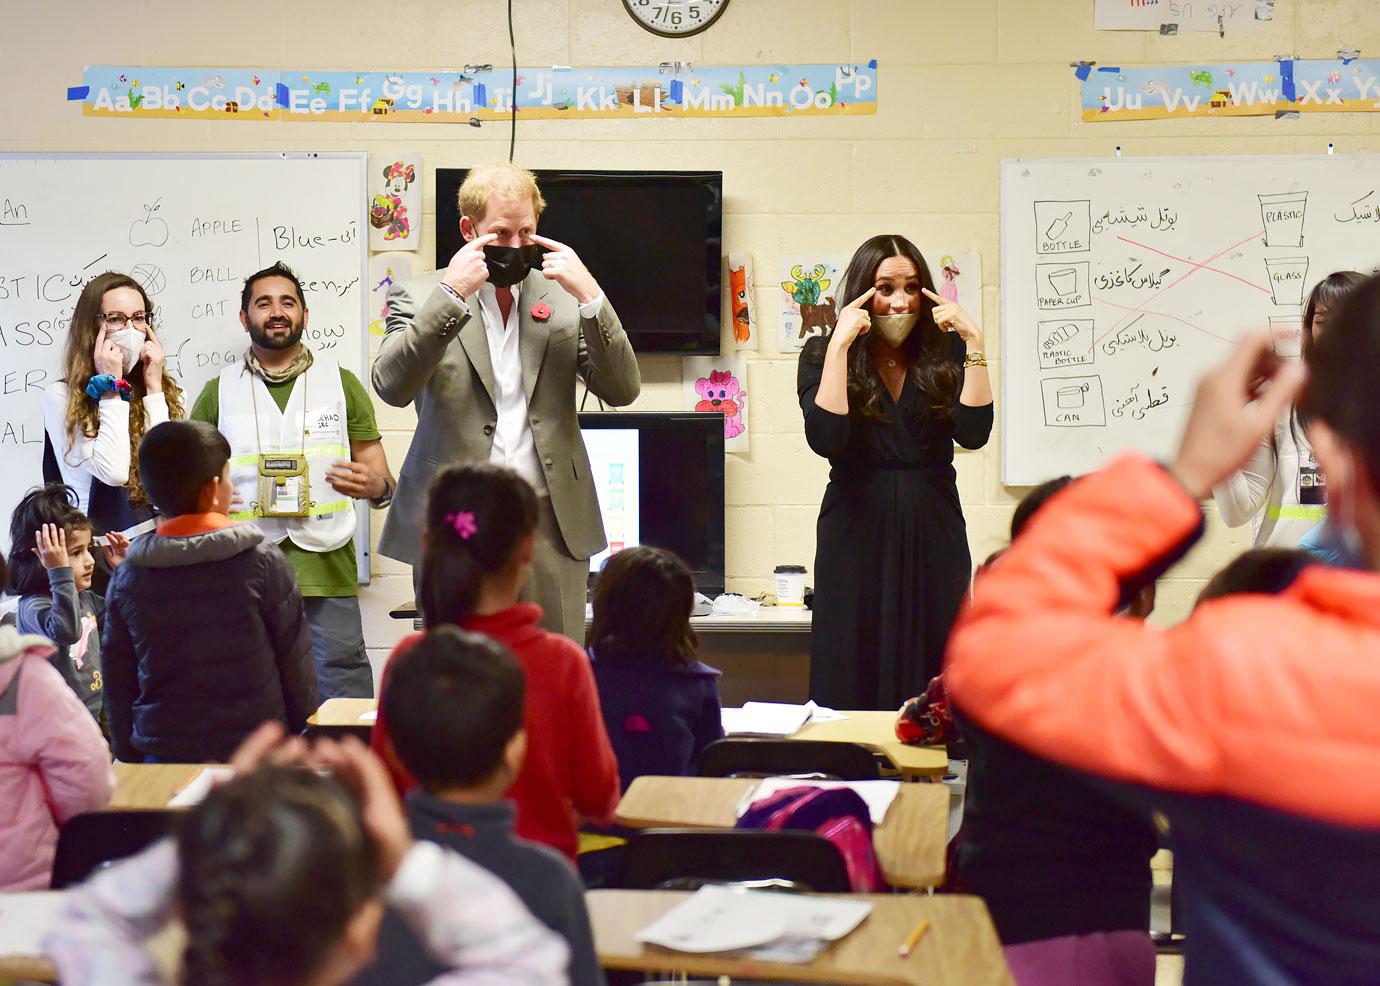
pixel 974 359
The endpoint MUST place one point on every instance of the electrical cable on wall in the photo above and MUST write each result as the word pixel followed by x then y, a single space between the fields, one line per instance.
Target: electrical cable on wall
pixel 512 99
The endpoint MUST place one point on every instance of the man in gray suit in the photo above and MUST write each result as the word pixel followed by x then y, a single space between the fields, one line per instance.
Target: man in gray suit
pixel 489 350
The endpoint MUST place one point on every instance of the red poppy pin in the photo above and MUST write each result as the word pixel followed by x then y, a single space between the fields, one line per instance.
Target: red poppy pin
pixel 541 312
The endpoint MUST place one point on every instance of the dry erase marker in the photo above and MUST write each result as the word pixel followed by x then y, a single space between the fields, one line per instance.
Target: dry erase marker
pixel 909 944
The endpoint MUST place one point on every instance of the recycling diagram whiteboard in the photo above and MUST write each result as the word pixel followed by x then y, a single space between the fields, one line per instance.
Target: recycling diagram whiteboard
pixel 190 228
pixel 1123 280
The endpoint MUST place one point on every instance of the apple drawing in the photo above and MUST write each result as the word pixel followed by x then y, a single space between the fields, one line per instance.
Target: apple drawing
pixel 149 231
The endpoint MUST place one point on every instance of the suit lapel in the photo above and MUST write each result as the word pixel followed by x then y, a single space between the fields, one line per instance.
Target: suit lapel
pixel 533 336
pixel 476 343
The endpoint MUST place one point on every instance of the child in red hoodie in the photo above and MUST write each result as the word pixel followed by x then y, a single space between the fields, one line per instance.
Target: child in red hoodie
pixel 477 545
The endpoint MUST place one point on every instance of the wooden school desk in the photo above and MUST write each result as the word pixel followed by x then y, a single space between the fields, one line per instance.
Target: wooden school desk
pixel 150 785
pixel 961 946
pixel 874 730
pixel 343 712
pixel 877 731
pixel 910 843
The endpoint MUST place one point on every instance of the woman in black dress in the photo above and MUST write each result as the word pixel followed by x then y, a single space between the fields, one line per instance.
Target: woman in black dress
pixel 885 395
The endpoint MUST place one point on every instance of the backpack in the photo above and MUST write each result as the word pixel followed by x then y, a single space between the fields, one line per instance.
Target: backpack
pixel 837 814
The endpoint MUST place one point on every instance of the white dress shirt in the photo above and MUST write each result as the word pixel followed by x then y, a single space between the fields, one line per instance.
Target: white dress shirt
pixel 106 455
pixel 513 445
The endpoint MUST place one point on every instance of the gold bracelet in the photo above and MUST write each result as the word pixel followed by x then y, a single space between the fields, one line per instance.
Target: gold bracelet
pixel 974 359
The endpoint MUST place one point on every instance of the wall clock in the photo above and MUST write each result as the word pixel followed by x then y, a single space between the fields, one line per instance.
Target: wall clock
pixel 675 18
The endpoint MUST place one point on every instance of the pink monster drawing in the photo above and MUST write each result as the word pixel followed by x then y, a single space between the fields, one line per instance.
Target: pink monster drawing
pixel 721 391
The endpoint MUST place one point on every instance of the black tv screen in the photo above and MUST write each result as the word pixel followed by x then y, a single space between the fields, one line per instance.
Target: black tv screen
pixel 652 239
pixel 660 480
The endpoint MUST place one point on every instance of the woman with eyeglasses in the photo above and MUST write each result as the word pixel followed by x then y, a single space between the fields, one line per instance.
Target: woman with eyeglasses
pixel 114 388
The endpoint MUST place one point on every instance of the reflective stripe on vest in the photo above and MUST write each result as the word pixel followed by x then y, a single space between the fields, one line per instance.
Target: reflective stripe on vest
pixel 314 424
pixel 1297 512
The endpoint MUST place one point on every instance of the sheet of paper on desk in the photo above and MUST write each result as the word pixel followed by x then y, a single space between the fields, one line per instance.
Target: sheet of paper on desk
pixel 199 786
pixel 371 716
pixel 773 718
pixel 878 794
pixel 777 927
pixel 26 919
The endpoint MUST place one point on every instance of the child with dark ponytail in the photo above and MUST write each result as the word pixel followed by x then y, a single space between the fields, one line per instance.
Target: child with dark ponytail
pixel 481 520
pixel 280 878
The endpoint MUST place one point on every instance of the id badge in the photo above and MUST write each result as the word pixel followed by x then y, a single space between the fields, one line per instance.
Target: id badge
pixel 1312 486
pixel 284 485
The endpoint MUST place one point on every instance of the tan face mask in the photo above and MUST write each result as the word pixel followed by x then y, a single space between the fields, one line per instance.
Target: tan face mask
pixel 894 328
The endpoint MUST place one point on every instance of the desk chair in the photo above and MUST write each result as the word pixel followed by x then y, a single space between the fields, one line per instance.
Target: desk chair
pixel 684 859
pixel 770 757
pixel 89 841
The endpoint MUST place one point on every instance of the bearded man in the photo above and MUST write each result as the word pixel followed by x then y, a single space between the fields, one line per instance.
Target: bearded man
pixel 304 446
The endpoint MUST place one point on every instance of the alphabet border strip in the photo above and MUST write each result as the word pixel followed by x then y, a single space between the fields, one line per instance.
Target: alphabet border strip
pixel 479 94
pixel 1272 88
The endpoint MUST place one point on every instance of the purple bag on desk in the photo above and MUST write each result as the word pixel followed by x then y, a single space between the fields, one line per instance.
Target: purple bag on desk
pixel 837 814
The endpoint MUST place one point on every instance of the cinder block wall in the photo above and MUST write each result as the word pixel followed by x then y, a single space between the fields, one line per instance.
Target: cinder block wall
pixel 962 85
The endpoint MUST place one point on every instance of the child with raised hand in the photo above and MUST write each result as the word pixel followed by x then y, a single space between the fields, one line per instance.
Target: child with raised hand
pixel 660 702
pixel 53 762
pixel 455 703
pixel 480 524
pixel 280 877
pixel 51 568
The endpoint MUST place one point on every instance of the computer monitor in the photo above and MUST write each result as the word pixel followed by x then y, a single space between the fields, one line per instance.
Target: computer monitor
pixel 660 480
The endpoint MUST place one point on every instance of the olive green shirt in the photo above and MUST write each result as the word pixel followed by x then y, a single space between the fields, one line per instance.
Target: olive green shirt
pixel 325 573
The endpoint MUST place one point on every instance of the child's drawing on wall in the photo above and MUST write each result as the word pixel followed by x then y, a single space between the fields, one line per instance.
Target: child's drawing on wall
pixel 394 212
pixel 807 303
pixel 718 385
pixel 742 300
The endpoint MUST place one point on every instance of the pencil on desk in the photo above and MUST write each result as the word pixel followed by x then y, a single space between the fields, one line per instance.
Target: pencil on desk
pixel 914 938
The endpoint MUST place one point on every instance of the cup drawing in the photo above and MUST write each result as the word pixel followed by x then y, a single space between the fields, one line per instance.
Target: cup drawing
pixel 1064 281
pixel 1287 276
pixel 1286 336
pixel 1283 213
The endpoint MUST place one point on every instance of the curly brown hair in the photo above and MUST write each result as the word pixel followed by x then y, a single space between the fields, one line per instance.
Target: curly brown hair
pixel 79 365
pixel 926 351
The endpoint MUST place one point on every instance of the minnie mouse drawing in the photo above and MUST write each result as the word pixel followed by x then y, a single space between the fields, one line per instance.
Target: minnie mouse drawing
pixel 387 211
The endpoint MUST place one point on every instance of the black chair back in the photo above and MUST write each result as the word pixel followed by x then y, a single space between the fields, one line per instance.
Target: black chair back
pixel 769 757
pixel 89 841
pixel 680 859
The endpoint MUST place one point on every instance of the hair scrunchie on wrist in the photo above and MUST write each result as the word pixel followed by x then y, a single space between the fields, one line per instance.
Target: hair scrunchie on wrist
pixel 105 383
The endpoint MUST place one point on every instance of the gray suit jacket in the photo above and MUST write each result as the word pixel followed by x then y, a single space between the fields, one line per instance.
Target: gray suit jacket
pixel 435 354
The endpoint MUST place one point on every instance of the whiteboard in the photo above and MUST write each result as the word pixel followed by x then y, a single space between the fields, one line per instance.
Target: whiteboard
pixel 1123 280
pixel 190 228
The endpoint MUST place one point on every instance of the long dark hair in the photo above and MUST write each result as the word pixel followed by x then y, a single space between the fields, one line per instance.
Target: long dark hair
pixel 1341 383
pixel 926 350
pixel 51 504
pixel 1328 293
pixel 476 517
pixel 271 868
pixel 642 603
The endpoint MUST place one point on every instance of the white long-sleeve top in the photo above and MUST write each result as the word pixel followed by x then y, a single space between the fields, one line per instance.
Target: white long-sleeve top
pixel 1265 491
pixel 468 919
pixel 105 456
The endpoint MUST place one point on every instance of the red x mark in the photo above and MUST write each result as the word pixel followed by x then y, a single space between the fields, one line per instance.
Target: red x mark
pixel 1204 266
pixel 1195 268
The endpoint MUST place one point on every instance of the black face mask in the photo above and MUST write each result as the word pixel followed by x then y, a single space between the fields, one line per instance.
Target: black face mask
pixel 509 265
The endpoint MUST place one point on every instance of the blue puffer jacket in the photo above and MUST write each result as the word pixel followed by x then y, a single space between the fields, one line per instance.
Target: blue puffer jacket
pixel 205 638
